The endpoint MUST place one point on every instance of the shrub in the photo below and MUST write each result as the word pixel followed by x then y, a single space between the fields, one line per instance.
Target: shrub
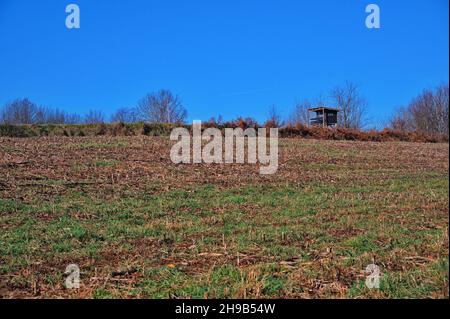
pixel 158 129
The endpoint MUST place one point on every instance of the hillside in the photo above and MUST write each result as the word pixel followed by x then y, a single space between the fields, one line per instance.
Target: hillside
pixel 139 226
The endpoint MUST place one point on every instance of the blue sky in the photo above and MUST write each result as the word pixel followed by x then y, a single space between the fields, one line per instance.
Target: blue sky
pixel 222 57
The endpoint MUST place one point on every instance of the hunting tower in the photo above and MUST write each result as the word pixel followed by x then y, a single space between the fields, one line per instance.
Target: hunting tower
pixel 325 116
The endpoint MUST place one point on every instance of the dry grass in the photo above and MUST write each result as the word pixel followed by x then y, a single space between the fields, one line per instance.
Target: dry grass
pixel 140 226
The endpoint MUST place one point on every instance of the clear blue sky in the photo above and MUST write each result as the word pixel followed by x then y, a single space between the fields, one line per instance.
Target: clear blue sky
pixel 228 57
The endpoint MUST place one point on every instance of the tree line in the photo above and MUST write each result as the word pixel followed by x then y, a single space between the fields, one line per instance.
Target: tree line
pixel 159 107
pixel 428 112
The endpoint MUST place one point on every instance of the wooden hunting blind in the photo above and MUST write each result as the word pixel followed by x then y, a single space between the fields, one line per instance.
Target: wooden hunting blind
pixel 325 116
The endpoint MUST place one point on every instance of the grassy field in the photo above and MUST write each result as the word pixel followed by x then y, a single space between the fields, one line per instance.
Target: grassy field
pixel 139 226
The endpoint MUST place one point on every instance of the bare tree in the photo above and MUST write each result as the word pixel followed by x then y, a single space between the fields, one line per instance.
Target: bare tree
pixel 23 111
pixel 441 101
pixel 402 120
pixel 20 111
pixel 94 117
pixel 352 105
pixel 162 107
pixel 300 113
pixel 56 116
pixel 125 115
pixel 427 112
pixel 73 118
pixel 274 119
pixel 46 115
pixel 41 115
